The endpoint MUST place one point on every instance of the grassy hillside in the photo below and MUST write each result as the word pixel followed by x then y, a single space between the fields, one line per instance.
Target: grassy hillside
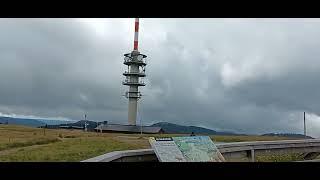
pixel 20 143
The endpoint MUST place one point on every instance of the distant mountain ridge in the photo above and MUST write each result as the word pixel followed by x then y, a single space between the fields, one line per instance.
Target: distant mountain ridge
pixel 90 124
pixel 169 128
pixel 55 122
pixel 30 122
pixel 21 121
pixel 180 129
pixel 287 135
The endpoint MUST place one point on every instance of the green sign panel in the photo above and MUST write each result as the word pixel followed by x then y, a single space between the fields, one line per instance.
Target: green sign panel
pixel 186 149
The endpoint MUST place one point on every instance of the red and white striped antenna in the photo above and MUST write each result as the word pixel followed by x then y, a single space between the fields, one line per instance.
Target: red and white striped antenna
pixel 136 34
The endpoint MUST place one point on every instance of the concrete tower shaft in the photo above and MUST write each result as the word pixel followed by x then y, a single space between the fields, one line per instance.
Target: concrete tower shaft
pixel 136 69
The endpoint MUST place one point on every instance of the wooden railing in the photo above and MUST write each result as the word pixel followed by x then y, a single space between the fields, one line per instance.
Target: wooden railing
pixel 310 148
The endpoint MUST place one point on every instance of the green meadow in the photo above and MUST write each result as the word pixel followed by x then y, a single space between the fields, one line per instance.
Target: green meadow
pixel 20 143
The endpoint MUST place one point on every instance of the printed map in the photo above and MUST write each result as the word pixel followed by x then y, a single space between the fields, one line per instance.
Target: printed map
pixel 166 150
pixel 186 149
pixel 197 148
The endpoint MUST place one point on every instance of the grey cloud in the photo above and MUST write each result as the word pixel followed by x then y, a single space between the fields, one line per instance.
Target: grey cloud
pixel 243 75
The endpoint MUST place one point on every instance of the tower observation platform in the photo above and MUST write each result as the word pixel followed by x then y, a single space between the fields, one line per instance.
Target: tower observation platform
pixel 136 64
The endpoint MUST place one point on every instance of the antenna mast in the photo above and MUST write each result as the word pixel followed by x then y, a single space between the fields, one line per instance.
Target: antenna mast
pixel 304 125
pixel 136 34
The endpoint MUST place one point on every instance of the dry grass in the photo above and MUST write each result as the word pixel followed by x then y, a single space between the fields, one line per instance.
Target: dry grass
pixel 20 143
pixel 248 138
pixel 288 157
pixel 220 138
pixel 67 150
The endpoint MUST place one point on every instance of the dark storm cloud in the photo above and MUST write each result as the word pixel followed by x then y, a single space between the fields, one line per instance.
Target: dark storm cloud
pixel 249 76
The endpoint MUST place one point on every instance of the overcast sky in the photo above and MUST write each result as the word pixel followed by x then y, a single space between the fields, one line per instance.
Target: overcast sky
pixel 240 75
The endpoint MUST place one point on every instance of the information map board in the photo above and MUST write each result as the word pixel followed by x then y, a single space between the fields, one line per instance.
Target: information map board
pixel 166 150
pixel 186 149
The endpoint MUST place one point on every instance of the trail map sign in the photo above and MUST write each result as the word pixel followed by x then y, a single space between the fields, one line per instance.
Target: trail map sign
pixel 186 149
pixel 166 150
